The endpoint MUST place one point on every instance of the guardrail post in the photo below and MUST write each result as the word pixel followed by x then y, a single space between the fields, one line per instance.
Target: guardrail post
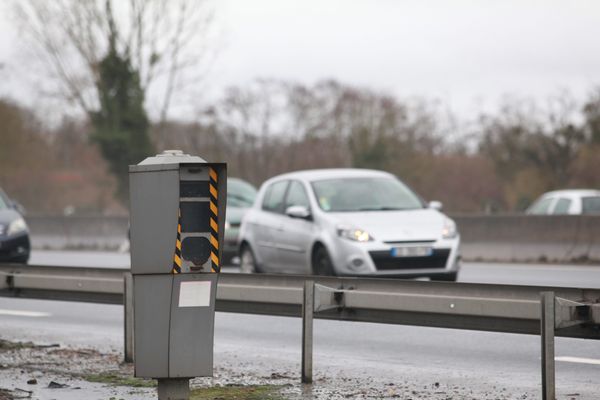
pixel 547 322
pixel 128 316
pixel 307 330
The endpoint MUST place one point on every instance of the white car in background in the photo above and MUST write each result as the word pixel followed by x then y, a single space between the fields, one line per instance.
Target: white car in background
pixel 567 202
pixel 347 222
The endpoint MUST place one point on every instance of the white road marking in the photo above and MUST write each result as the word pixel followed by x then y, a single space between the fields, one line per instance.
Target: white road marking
pixel 578 360
pixel 17 313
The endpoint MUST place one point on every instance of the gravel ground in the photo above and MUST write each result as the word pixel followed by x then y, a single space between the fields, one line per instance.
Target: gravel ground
pixel 53 372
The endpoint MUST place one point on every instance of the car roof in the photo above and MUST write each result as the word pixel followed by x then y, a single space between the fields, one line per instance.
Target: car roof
pixel 572 193
pixel 332 173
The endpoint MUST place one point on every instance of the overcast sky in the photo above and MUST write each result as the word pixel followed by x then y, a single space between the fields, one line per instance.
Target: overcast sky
pixel 467 53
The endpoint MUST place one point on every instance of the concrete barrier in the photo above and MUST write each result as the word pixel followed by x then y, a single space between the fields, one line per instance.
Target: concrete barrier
pixel 520 238
pixel 502 238
pixel 77 232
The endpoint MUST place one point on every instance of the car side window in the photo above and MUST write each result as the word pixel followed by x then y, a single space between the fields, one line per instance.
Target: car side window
pixel 590 205
pixel 541 207
pixel 297 196
pixel 273 200
pixel 562 206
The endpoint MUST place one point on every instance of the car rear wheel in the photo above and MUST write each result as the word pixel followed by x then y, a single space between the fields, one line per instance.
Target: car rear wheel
pixel 321 263
pixel 247 261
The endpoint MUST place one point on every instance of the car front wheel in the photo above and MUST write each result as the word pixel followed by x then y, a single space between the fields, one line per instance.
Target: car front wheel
pixel 321 263
pixel 247 261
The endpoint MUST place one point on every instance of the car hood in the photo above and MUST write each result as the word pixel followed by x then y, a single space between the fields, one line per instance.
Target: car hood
pixel 393 226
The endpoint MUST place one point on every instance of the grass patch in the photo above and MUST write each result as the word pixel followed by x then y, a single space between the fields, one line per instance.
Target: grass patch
pixel 237 392
pixel 119 380
pixel 6 345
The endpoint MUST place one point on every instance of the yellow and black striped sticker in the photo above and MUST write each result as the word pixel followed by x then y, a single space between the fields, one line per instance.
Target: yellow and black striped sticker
pixel 214 221
pixel 177 256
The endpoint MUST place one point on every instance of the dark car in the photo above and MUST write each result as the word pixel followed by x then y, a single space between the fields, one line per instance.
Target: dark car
pixel 240 197
pixel 14 234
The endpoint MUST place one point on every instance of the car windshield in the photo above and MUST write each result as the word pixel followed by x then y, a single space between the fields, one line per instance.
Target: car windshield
pixel 240 193
pixel 364 194
pixel 3 204
pixel 541 206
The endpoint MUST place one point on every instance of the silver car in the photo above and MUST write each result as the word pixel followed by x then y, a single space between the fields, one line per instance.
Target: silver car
pixel 347 222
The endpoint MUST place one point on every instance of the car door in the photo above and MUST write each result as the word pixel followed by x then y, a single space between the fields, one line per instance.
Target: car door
pixel 296 234
pixel 266 225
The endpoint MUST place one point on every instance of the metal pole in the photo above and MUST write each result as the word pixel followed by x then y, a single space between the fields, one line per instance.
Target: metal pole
pixel 307 330
pixel 547 333
pixel 128 316
pixel 174 389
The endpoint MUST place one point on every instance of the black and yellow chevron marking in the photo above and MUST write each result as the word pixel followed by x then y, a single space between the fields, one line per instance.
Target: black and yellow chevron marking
pixel 177 256
pixel 214 221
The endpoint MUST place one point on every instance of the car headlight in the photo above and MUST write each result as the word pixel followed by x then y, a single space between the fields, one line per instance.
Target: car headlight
pixel 16 226
pixel 356 234
pixel 449 230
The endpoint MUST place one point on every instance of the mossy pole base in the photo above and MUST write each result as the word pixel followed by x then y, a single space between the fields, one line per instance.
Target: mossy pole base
pixel 174 389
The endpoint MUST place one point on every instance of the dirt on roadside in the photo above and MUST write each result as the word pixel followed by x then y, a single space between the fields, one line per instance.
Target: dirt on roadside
pixel 49 371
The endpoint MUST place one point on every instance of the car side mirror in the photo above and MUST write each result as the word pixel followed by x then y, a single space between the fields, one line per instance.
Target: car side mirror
pixel 435 205
pixel 300 212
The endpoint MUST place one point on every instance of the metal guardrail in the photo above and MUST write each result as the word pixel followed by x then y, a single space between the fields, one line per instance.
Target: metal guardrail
pixel 97 285
pixel 497 308
pixel 494 308
pixel 487 307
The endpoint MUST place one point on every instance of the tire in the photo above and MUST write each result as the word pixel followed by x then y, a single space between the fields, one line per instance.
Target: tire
pixel 451 277
pixel 321 262
pixel 248 261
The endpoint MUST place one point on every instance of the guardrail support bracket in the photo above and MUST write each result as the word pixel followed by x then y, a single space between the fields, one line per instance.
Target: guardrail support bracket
pixel 570 313
pixel 327 298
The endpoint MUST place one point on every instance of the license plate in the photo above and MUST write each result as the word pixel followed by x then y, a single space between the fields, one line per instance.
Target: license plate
pixel 414 251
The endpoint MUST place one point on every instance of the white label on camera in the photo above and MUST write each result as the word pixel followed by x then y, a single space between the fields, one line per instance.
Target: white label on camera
pixel 194 294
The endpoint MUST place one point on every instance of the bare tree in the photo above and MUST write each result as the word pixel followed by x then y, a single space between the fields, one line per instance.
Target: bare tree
pixel 161 39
